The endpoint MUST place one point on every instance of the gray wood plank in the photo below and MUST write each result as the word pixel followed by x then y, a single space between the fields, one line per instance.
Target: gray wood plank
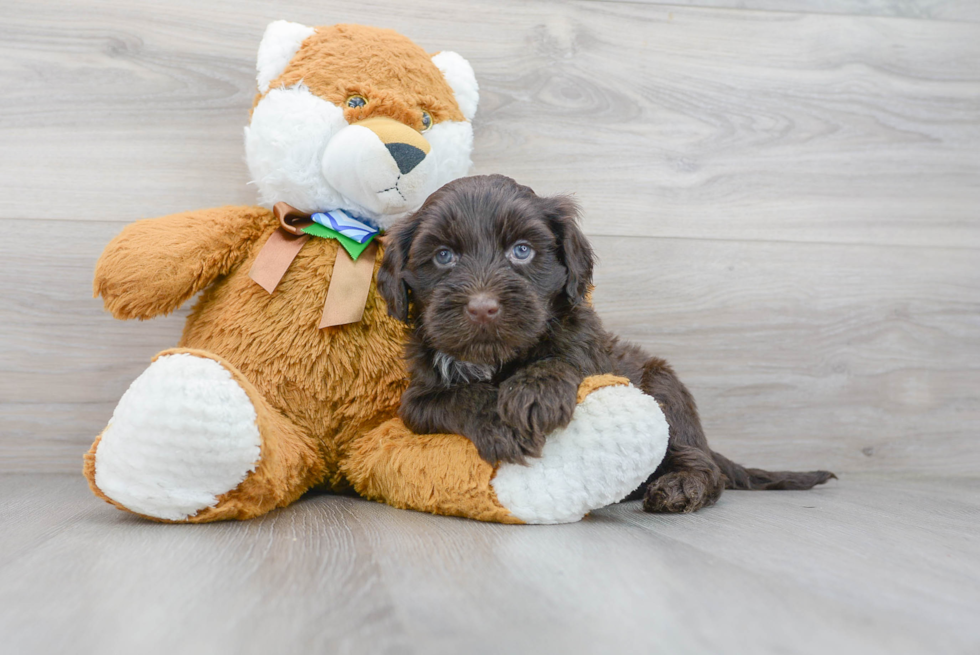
pixel 50 436
pixel 667 121
pixel 953 10
pixel 898 538
pixel 800 355
pixel 867 565
pixel 38 507
pixel 865 358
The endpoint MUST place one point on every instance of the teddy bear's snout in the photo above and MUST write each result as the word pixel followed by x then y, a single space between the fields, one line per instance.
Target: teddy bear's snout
pixel 379 163
pixel 406 146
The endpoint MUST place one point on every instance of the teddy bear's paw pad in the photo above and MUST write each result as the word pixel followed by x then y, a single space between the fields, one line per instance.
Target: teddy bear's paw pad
pixel 617 438
pixel 183 434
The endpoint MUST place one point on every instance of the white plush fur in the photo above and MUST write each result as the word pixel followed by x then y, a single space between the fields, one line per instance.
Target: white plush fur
pixel 279 45
pixel 182 435
pixel 617 438
pixel 461 78
pixel 301 150
pixel 284 147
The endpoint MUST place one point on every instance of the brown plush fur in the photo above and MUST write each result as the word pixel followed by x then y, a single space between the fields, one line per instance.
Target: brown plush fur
pixel 394 75
pixel 440 473
pixel 335 383
pixel 325 399
pixel 331 384
pixel 595 382
pixel 152 267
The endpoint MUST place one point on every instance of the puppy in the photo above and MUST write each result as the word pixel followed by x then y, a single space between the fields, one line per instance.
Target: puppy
pixel 494 281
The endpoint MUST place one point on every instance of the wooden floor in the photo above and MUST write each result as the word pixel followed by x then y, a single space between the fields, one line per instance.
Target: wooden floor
pixel 870 564
pixel 785 196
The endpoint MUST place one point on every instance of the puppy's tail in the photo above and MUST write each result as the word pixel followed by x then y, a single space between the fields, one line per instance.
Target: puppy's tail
pixel 739 477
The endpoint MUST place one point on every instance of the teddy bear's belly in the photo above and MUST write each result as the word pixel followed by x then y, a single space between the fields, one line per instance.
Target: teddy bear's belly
pixel 334 383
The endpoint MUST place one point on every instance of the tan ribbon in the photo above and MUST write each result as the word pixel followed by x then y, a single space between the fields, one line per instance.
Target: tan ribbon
pixel 349 283
pixel 275 257
pixel 349 287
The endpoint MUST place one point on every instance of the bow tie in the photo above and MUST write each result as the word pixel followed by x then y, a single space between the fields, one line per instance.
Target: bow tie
pixel 352 234
pixel 352 271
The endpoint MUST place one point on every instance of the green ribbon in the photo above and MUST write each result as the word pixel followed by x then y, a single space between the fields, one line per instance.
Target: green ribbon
pixel 353 248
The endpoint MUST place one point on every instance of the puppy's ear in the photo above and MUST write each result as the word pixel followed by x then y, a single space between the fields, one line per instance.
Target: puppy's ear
pixel 574 250
pixel 391 276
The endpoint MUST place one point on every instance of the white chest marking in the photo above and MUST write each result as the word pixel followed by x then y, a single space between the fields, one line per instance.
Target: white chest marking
pixel 453 371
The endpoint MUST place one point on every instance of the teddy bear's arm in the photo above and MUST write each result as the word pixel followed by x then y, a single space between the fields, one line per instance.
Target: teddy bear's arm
pixel 617 438
pixel 154 265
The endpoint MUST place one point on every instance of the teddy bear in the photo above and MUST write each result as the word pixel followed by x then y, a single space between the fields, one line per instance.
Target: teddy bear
pixel 289 370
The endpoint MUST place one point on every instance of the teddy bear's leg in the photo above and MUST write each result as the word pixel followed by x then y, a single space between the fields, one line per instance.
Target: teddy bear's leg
pixel 617 438
pixel 193 441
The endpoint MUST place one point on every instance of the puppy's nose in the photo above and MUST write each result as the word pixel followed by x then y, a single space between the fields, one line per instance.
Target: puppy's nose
pixel 482 308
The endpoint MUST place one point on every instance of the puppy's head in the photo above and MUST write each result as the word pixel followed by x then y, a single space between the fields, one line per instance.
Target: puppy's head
pixel 483 267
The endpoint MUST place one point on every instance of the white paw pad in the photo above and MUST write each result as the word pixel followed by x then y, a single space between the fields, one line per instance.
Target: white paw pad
pixel 617 438
pixel 183 434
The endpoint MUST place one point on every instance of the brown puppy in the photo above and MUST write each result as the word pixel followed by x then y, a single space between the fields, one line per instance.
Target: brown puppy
pixel 493 279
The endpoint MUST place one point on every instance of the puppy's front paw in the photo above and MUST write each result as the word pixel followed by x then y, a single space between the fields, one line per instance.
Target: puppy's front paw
pixel 536 405
pixel 500 443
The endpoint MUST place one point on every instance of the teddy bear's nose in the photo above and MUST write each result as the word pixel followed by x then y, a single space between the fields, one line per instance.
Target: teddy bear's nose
pixel 405 155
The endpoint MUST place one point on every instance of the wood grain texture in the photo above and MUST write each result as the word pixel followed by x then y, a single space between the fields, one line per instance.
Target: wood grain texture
pixel 785 204
pixel 800 355
pixel 870 564
pixel 851 356
pixel 952 10
pixel 667 121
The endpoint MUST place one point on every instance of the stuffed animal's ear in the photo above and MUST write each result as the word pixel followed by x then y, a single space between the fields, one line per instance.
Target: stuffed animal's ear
pixel 279 45
pixel 575 251
pixel 461 78
pixel 392 283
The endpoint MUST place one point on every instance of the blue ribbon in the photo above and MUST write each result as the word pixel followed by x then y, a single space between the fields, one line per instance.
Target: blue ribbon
pixel 337 219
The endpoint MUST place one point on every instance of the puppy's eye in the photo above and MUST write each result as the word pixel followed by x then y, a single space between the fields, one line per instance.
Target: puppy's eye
pixel 444 257
pixel 426 121
pixel 356 102
pixel 521 253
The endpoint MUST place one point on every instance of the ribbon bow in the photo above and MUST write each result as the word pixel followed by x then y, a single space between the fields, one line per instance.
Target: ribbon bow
pixel 352 270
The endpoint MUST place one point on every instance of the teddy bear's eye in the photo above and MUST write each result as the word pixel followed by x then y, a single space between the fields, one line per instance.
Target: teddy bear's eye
pixel 426 120
pixel 356 102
